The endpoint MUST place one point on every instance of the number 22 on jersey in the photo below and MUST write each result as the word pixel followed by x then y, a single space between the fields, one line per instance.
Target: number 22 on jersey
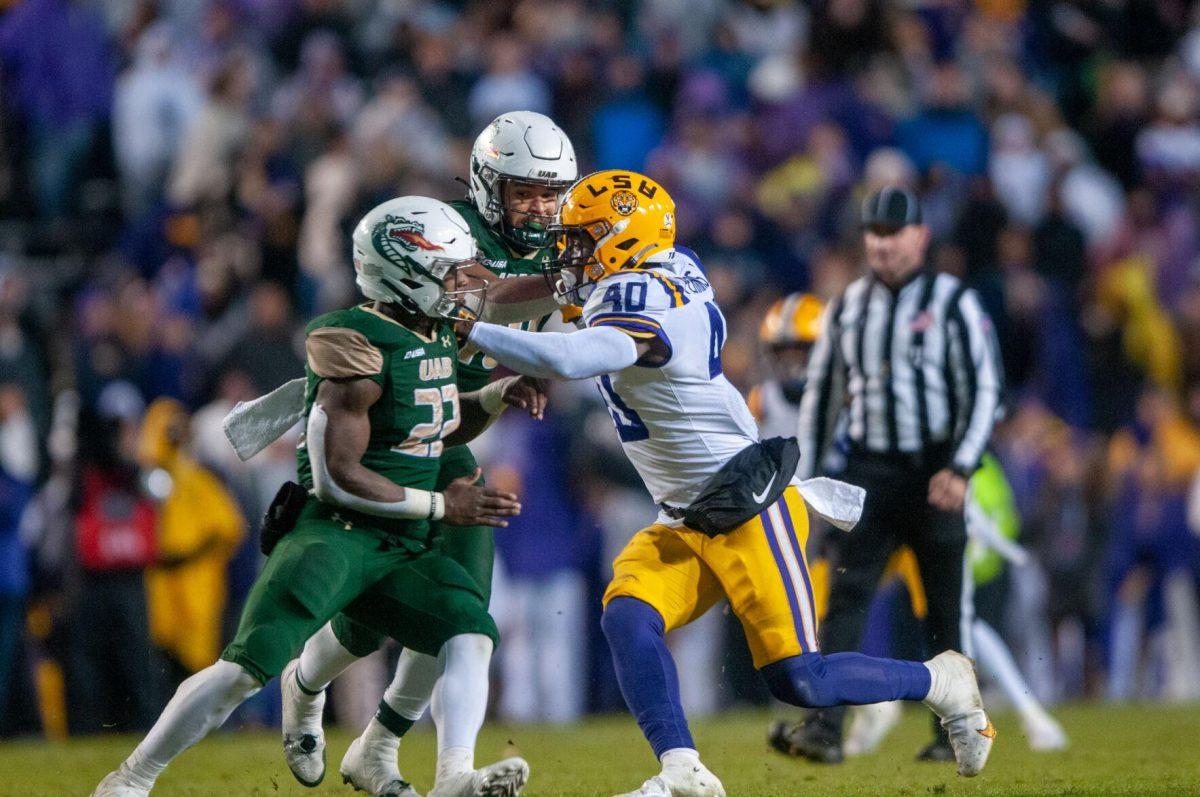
pixel 425 439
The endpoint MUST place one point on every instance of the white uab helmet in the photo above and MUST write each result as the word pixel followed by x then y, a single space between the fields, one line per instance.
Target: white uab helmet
pixel 406 247
pixel 526 147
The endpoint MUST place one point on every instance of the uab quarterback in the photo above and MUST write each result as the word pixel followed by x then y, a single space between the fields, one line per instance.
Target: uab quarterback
pixel 381 402
pixel 520 165
pixel 733 520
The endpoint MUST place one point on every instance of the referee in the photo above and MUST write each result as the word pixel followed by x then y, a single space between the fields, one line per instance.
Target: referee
pixel 912 360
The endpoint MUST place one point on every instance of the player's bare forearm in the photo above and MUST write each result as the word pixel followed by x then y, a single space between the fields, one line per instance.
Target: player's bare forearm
pixel 474 420
pixel 479 408
pixel 515 299
pixel 346 404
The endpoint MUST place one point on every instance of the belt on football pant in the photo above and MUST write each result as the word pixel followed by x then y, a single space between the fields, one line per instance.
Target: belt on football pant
pixel 673 512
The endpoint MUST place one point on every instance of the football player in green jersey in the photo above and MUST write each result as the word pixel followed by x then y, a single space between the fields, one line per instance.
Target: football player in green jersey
pixel 381 402
pixel 520 165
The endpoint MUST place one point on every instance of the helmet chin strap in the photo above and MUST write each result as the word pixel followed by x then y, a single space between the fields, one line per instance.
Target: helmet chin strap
pixel 636 257
pixel 400 299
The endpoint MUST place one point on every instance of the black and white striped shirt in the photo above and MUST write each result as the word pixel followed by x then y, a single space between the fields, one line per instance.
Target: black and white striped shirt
pixel 912 368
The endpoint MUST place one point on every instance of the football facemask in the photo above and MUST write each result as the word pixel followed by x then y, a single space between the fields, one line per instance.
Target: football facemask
pixel 529 230
pixel 459 303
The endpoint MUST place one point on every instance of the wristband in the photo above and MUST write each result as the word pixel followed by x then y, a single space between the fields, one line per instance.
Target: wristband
pixel 491 395
pixel 417 504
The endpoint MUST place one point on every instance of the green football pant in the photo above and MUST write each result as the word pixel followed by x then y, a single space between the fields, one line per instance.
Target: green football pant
pixel 472 547
pixel 323 568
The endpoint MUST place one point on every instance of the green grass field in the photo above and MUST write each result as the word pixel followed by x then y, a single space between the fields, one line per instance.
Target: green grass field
pixel 1127 751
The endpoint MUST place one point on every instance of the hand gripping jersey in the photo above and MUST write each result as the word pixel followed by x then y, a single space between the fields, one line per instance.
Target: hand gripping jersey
pixel 678 417
pixel 419 405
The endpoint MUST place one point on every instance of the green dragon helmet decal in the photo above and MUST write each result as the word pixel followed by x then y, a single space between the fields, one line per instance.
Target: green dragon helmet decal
pixel 404 250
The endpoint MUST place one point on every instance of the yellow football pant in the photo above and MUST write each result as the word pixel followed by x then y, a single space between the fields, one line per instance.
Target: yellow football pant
pixel 760 567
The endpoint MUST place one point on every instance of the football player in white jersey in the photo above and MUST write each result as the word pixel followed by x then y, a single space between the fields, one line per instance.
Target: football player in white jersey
pixel 653 342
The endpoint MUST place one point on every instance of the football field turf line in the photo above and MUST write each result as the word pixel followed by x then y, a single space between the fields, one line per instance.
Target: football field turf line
pixel 1144 750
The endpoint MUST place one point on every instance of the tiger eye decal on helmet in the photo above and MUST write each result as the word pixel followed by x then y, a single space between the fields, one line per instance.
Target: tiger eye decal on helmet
pixel 624 202
pixel 629 217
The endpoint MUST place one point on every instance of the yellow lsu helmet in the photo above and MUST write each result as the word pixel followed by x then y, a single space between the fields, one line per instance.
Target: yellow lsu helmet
pixel 793 320
pixel 614 220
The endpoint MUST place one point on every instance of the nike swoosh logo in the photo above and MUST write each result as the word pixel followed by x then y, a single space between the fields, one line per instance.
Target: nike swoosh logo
pixel 758 497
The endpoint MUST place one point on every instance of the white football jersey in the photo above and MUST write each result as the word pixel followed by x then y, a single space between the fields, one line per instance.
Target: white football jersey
pixel 678 417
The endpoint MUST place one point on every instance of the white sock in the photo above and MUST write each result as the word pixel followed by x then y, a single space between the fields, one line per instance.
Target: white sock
pixel 454 761
pixel 460 698
pixel 938 685
pixel 378 738
pixel 997 661
pixel 202 703
pixel 322 660
pixel 680 756
pixel 408 695
pixel 411 689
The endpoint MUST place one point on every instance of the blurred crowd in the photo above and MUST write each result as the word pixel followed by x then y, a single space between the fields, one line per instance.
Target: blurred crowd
pixel 178 179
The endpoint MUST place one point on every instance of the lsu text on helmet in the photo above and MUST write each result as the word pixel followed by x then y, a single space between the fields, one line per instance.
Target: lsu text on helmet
pixel 614 220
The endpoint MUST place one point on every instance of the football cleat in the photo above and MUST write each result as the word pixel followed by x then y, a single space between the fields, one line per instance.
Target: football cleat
pixel 503 779
pixel 811 739
pixel 303 736
pixel 870 726
pixel 681 779
pixel 655 787
pixel 954 697
pixel 365 769
pixel 116 785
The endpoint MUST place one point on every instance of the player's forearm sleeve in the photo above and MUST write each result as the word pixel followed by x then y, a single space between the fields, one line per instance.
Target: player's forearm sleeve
pixel 578 355
pixel 416 504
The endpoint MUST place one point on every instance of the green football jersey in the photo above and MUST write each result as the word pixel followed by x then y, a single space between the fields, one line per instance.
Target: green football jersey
pixel 419 406
pixel 475 367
